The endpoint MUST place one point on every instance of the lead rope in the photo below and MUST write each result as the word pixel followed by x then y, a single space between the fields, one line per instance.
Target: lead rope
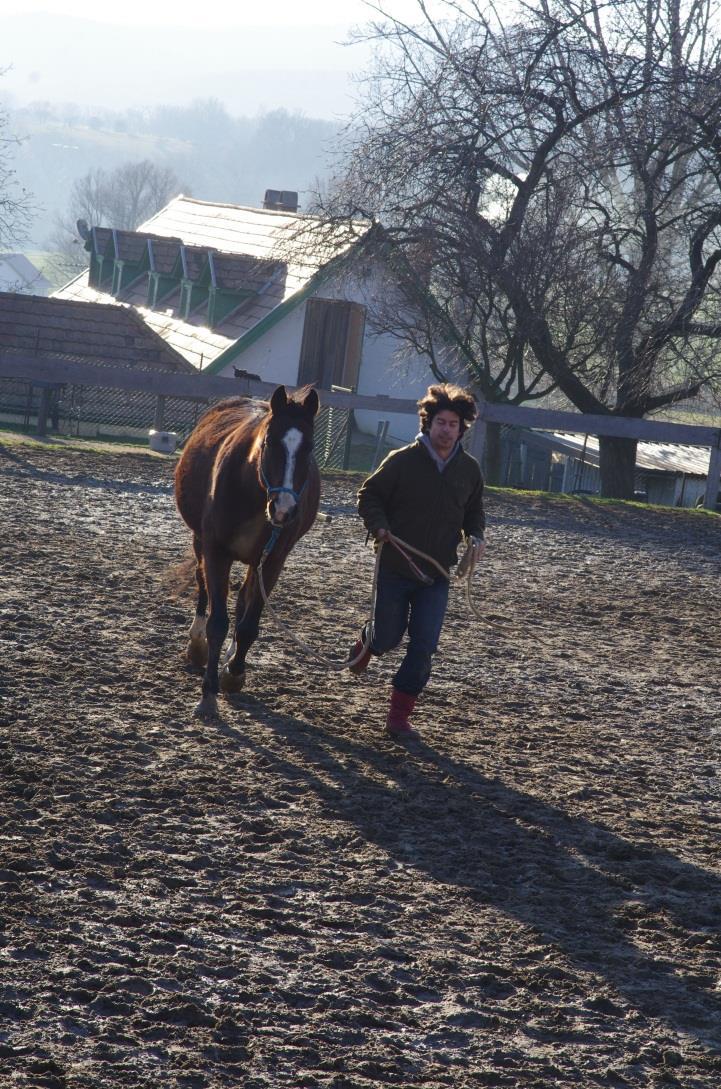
pixel 467 565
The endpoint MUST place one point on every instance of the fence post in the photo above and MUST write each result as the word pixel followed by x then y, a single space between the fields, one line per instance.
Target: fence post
pixel 44 411
pixel 712 479
pixel 348 438
pixel 381 432
pixel 477 440
pixel 159 413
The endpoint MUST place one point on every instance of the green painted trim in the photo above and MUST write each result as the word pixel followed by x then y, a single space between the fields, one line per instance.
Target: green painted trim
pixel 222 303
pixel 205 280
pixel 125 274
pixel 105 273
pixel 192 298
pixel 275 315
pixel 166 287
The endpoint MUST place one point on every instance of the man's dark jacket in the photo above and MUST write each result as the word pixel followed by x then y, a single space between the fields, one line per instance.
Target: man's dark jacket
pixel 429 509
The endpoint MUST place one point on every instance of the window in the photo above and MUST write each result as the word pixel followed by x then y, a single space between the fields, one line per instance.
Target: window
pixel 330 352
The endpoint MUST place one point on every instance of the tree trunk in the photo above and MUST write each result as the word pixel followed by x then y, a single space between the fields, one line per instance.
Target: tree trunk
pixel 617 463
pixel 492 457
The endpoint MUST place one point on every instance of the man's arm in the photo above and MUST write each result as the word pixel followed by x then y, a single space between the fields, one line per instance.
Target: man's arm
pixel 376 496
pixel 474 520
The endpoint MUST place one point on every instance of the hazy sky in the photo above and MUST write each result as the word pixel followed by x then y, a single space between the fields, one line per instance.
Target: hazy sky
pixel 252 56
pixel 217 13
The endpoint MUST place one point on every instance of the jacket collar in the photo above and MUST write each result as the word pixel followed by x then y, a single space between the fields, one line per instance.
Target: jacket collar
pixel 442 463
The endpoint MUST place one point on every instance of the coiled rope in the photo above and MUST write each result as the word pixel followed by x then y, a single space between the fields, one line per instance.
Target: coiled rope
pixel 465 571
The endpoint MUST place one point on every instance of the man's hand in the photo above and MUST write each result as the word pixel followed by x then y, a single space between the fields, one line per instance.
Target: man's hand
pixel 382 534
pixel 479 547
pixel 475 547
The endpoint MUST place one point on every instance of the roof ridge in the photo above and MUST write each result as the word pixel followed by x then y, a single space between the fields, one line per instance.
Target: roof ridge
pixel 227 204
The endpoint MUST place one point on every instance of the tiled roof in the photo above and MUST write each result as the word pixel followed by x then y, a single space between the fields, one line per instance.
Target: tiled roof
pixel 113 335
pixel 285 267
pixel 235 272
pixel 194 259
pixel 163 254
pixel 101 237
pixel 128 245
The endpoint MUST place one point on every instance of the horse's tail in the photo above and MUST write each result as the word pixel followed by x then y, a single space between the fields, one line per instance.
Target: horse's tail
pixel 179 580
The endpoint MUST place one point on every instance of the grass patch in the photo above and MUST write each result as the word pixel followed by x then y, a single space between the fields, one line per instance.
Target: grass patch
pixel 10 437
pixel 598 500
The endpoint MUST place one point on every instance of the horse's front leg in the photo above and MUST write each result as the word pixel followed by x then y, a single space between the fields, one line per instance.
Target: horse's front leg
pixel 216 567
pixel 248 611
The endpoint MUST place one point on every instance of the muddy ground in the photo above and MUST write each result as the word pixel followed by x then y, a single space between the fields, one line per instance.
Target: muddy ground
pixel 286 898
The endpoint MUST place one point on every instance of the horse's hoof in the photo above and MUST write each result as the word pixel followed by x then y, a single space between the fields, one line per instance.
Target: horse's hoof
pixel 231 682
pixel 207 708
pixel 196 653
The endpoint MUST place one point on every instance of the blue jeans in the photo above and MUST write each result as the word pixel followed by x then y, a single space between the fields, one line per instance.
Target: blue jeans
pixel 406 604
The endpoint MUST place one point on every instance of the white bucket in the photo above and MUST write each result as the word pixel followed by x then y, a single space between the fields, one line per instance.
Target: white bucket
pixel 164 442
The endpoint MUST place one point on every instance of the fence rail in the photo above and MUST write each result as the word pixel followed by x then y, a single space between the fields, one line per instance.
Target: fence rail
pixel 51 372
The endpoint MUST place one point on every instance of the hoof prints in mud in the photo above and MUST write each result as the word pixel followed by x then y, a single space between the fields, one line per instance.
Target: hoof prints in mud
pixel 528 898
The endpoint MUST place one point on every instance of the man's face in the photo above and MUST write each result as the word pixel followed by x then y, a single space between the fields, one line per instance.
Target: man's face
pixel 444 432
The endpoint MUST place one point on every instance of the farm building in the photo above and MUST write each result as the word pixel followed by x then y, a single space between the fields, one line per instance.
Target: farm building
pixel 238 291
pixel 19 274
pixel 233 289
pixel 670 475
pixel 110 336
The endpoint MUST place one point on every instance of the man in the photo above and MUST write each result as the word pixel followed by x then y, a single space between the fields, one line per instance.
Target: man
pixel 426 494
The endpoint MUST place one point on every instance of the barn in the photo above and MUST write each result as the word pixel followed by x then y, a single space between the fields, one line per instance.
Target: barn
pixel 669 474
pixel 110 336
pixel 241 290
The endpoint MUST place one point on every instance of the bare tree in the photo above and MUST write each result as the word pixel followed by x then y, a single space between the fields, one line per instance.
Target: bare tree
pixel 561 174
pixel 15 200
pixel 121 198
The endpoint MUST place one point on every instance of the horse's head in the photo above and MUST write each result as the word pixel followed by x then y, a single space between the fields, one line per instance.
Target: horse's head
pixel 287 452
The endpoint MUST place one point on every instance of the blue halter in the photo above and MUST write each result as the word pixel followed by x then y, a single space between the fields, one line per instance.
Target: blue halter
pixel 269 491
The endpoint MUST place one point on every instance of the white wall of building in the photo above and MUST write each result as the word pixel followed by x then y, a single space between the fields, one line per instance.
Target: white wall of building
pixel 19 275
pixel 386 367
pixel 274 357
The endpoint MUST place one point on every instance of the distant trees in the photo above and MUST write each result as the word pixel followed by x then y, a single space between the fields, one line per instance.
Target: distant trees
pixel 122 198
pixel 549 188
pixel 15 200
pixel 216 155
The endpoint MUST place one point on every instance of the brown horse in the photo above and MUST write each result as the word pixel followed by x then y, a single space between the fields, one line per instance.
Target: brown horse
pixel 248 487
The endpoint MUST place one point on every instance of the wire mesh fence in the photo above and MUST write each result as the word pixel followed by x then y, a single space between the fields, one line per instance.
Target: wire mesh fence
pixel 333 430
pixel 92 412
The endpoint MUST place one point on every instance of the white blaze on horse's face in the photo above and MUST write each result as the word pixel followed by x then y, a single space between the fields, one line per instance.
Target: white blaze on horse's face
pixel 284 503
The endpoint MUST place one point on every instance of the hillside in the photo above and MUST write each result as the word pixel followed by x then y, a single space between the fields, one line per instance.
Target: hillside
pixel 214 156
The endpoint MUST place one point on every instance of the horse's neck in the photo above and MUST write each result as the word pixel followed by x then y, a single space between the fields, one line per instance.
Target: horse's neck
pixel 237 471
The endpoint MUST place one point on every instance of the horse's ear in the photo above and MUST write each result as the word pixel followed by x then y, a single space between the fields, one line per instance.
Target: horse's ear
pixel 311 402
pixel 279 399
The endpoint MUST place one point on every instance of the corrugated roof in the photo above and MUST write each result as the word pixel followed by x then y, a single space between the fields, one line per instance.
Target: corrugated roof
pixel 661 456
pixel 267 236
pixel 111 334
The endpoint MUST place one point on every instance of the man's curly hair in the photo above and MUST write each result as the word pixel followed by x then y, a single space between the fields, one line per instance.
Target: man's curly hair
pixel 447 397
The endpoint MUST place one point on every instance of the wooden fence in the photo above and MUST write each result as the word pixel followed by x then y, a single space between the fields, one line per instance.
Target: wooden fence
pixel 49 372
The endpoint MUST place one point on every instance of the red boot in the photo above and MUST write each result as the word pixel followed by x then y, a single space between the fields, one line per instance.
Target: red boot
pixel 397 723
pixel 358 657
